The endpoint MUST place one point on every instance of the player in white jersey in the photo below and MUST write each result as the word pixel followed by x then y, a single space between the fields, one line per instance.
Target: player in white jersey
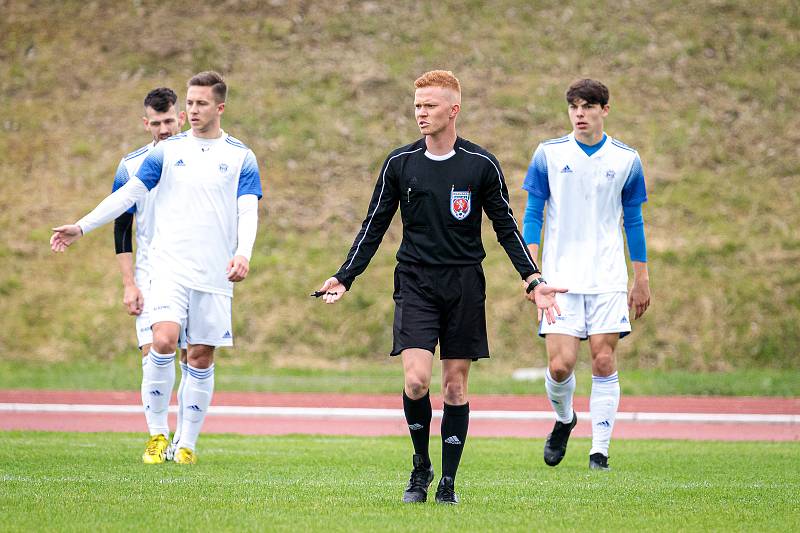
pixel 588 180
pixel 161 120
pixel 206 216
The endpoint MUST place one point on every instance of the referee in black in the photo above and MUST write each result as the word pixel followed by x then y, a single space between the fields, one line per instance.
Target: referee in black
pixel 441 183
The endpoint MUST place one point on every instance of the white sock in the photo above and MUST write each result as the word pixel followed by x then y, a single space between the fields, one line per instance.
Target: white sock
pixel 158 377
pixel 560 395
pixel 181 387
pixel 197 395
pixel 603 407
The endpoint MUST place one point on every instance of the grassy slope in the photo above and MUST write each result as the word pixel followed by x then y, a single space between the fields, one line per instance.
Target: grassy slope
pixel 297 483
pixel 322 91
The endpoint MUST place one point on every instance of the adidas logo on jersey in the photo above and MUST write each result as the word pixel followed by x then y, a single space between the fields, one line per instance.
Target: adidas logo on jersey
pixel 227 335
pixel 452 440
pixel 624 320
pixel 415 427
pixel 180 163
pixel 194 408
pixel 155 392
pixel 604 424
pixel 566 170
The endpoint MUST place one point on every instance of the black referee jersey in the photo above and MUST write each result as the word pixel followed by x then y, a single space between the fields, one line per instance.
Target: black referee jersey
pixel 440 204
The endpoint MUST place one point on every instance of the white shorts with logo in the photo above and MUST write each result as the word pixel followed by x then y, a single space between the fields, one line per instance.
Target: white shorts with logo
pixel 144 331
pixel 205 316
pixel 583 315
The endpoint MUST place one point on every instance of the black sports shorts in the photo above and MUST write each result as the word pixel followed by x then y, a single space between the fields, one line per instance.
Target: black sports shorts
pixel 440 304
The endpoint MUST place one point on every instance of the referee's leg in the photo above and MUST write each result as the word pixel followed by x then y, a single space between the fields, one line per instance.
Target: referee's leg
pixel 455 422
pixel 417 367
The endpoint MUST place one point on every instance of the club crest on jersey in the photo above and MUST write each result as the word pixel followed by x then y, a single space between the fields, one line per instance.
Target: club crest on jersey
pixel 223 168
pixel 460 203
pixel 610 174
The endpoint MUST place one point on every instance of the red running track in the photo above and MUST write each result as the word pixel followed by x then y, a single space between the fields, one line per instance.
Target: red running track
pixel 276 425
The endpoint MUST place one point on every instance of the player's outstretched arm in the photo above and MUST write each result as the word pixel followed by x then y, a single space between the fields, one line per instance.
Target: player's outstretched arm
pixel 332 290
pixel 65 235
pixel 106 211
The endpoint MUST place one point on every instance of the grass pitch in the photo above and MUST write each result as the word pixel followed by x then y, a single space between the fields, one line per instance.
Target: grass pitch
pixel 69 482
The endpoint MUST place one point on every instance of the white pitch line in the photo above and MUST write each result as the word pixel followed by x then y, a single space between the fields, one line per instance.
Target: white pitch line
pixel 364 413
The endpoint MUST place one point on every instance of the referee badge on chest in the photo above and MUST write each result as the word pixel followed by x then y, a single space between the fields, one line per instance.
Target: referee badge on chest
pixel 460 203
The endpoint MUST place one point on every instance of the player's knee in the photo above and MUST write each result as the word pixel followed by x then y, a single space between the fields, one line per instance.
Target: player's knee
pixel 559 371
pixel 163 344
pixel 200 360
pixel 603 363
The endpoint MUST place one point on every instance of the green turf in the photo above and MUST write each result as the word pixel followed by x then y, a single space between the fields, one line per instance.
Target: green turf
pixel 80 482
pixel 123 373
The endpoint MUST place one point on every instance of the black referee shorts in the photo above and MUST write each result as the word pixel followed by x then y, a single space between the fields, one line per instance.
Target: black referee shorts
pixel 440 304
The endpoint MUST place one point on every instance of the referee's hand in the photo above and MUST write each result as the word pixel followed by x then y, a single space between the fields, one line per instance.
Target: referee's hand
pixel 333 290
pixel 544 296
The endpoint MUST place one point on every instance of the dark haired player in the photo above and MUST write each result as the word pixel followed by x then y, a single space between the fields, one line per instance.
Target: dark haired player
pixel 442 184
pixel 206 217
pixel 161 120
pixel 588 180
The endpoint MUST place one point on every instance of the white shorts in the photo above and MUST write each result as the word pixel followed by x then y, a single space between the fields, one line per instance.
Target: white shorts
pixel 144 331
pixel 205 316
pixel 583 315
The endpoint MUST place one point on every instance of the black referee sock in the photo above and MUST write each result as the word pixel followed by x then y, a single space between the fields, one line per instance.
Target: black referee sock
pixel 455 422
pixel 418 417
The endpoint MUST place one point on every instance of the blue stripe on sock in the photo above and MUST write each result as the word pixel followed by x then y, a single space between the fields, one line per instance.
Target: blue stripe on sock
pixel 613 378
pixel 161 360
pixel 200 373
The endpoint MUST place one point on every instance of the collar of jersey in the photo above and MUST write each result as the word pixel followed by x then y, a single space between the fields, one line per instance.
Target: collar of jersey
pixel 203 140
pixel 444 157
pixel 606 141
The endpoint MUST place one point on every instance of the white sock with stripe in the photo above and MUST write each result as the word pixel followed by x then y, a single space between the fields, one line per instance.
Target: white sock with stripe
pixel 560 395
pixel 181 387
pixel 197 395
pixel 158 377
pixel 603 408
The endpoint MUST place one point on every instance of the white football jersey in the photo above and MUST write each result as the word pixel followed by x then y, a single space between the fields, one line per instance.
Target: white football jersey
pixel 199 182
pixel 583 248
pixel 143 211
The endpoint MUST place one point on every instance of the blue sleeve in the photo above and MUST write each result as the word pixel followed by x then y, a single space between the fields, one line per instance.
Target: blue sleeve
pixel 249 179
pixel 120 179
pixel 634 191
pixel 150 171
pixel 536 181
pixel 533 220
pixel 634 231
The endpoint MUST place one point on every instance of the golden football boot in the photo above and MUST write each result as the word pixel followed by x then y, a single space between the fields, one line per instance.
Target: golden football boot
pixel 185 456
pixel 156 450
